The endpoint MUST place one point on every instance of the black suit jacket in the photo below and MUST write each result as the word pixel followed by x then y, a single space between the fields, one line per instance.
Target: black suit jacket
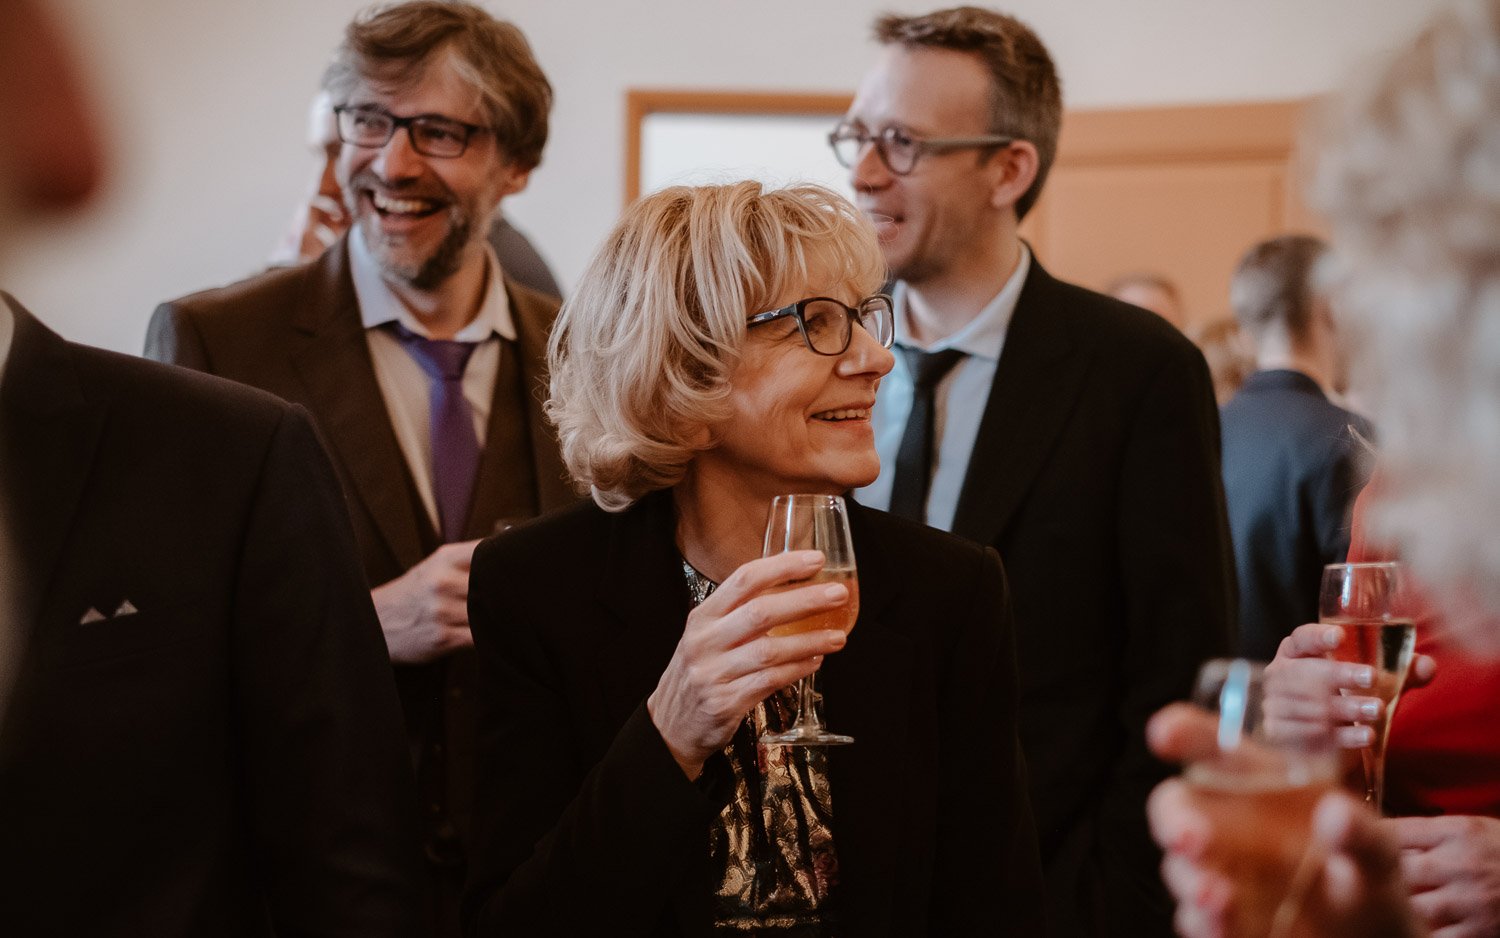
pixel 586 824
pixel 227 759
pixel 297 333
pixel 1095 474
pixel 1292 469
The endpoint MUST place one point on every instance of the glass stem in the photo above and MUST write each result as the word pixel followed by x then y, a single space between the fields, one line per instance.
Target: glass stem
pixel 807 712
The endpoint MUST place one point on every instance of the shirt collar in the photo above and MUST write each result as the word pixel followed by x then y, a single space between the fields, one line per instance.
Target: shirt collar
pixel 378 304
pixel 984 336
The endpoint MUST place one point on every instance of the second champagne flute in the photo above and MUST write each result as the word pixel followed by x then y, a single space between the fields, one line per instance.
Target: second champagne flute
pixel 814 522
pixel 1369 601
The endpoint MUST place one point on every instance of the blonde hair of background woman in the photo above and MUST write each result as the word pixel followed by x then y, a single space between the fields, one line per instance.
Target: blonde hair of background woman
pixel 643 353
pixel 1409 175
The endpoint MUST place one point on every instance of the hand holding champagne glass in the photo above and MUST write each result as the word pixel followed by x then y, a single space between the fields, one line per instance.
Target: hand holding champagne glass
pixel 1261 782
pixel 1368 601
pixel 814 522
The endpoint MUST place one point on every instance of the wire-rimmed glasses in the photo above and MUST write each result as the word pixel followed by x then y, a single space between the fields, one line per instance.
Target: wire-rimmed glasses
pixel 430 134
pixel 827 325
pixel 899 150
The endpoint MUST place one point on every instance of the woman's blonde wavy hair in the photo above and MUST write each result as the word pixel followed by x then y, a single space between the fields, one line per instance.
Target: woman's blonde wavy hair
pixel 1409 175
pixel 642 354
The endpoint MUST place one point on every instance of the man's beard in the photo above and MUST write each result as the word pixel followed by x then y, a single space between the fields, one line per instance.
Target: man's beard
pixel 429 272
pixel 424 273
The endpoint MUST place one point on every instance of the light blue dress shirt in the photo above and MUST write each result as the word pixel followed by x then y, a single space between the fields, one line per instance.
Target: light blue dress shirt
pixel 959 400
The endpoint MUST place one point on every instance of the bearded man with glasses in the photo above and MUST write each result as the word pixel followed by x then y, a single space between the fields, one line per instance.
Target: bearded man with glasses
pixel 1074 433
pixel 418 357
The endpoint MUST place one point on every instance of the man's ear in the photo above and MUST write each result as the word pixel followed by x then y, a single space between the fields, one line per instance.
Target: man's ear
pixel 513 179
pixel 1017 167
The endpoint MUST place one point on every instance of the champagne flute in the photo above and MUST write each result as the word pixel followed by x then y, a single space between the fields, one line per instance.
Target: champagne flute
pixel 1260 786
pixel 1370 602
pixel 814 522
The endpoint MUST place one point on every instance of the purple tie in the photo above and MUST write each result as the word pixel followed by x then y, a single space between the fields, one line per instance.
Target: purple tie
pixel 455 447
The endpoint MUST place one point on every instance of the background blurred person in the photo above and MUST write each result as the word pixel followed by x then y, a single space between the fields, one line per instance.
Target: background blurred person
pixel 1230 354
pixel 417 354
pixel 1151 291
pixel 1407 176
pixel 203 737
pixel 322 220
pixel 1293 461
pixel 698 373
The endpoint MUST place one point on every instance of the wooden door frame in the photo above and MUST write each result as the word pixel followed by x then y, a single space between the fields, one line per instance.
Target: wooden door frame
pixel 640 103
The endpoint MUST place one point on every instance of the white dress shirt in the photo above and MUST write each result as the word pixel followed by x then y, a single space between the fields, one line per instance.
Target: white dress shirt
pixel 958 400
pixel 404 385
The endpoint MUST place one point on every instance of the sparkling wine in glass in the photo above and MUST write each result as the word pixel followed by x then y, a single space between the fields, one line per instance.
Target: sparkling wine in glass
pixel 1260 786
pixel 814 522
pixel 1370 602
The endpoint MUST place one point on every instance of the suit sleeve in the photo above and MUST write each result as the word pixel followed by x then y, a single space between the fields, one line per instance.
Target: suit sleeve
pixel 331 801
pixel 172 339
pixel 1177 573
pixel 563 847
pixel 987 859
pixel 1339 481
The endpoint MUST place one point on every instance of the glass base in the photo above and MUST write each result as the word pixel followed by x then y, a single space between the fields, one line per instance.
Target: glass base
pixel 806 736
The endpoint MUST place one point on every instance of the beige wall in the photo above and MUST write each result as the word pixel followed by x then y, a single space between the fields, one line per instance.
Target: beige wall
pixel 206 99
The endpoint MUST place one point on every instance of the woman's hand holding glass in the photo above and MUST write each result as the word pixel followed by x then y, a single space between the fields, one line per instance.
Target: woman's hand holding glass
pixel 1304 652
pixel 725 663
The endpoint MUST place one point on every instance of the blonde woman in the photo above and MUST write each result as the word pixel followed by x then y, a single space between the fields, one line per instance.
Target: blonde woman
pixel 623 644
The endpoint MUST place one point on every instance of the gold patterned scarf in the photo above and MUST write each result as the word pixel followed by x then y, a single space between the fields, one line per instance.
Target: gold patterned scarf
pixel 774 865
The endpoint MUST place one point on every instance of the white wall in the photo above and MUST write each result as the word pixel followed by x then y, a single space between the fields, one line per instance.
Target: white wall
pixel 206 101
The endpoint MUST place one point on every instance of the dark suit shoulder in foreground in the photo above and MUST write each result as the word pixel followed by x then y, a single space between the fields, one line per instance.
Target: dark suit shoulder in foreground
pixel 204 737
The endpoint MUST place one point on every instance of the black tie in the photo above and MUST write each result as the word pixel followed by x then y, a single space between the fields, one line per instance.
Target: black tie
pixel 914 459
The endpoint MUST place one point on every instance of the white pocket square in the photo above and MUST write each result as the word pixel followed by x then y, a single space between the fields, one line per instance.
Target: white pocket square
pixel 126 608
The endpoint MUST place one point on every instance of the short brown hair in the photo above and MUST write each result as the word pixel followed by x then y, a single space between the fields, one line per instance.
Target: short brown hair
pixel 1025 97
pixel 1276 285
pixel 397 43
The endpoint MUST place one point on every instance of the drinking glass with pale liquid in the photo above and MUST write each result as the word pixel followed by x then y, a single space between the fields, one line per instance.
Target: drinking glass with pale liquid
pixel 1260 786
pixel 1371 603
pixel 814 522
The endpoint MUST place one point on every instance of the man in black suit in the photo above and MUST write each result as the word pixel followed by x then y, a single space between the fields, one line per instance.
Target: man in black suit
pixel 1293 460
pixel 420 360
pixel 1075 433
pixel 203 737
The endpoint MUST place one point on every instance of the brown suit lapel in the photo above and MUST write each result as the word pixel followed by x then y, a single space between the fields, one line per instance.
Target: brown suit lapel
pixel 332 358
pixel 50 432
pixel 520 474
pixel 1036 384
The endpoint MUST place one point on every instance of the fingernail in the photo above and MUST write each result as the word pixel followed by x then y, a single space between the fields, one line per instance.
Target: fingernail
pixel 1366 735
pixel 834 635
pixel 809 557
pixel 1187 844
pixel 1370 709
pixel 1364 677
pixel 1331 637
pixel 835 591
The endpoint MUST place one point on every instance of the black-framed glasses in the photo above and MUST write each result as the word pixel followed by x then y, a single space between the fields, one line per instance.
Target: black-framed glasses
pixel 430 134
pixel 899 150
pixel 827 326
